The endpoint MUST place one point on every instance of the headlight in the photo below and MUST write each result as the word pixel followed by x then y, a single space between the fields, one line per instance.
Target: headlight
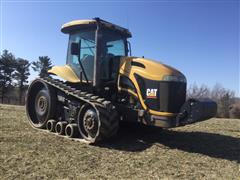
pixel 175 78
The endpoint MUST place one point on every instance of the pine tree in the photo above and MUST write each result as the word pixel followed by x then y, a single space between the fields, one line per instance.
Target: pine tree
pixel 7 67
pixel 42 65
pixel 21 75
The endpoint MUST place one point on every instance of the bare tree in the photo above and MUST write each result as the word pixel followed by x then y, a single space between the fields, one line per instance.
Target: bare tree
pixel 224 99
pixel 235 110
pixel 198 92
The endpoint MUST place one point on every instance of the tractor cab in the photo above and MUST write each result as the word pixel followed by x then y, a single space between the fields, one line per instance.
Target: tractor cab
pixel 94 49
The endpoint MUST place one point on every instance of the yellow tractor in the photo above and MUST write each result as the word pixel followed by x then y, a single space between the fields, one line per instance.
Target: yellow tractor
pixel 101 85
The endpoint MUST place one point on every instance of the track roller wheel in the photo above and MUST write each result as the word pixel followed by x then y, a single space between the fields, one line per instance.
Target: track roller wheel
pixel 60 127
pixel 97 124
pixel 51 124
pixel 71 130
pixel 40 103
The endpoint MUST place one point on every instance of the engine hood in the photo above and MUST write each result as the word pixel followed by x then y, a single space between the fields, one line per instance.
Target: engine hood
pixel 148 68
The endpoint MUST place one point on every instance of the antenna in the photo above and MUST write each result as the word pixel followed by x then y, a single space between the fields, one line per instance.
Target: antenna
pixel 127 22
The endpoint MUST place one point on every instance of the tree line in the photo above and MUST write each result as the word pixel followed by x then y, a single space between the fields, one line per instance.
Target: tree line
pixel 14 74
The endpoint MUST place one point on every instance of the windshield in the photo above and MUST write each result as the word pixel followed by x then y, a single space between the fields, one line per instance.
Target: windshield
pixel 87 44
pixel 113 46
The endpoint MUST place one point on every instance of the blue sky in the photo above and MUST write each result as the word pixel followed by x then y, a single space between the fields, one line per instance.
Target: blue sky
pixel 200 38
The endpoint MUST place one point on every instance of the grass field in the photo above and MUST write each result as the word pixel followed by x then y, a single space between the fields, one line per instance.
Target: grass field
pixel 206 150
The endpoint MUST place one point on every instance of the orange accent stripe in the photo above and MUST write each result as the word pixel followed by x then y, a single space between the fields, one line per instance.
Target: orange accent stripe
pixel 152 97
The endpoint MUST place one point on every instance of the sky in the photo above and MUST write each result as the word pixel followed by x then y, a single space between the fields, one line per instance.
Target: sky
pixel 199 38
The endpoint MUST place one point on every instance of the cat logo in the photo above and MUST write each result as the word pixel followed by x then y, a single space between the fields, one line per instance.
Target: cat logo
pixel 151 93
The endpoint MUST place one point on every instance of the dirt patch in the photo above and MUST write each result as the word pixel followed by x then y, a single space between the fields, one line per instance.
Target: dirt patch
pixel 206 150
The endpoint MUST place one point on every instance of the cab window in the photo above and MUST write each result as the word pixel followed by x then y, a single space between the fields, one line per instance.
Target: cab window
pixel 113 47
pixel 87 45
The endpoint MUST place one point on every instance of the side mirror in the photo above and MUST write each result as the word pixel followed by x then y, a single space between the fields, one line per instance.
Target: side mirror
pixel 75 49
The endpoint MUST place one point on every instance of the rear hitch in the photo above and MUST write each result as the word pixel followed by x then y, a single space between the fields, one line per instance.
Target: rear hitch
pixel 195 110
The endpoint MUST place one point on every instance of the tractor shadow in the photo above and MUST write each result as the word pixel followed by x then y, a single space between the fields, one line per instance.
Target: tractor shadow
pixel 135 137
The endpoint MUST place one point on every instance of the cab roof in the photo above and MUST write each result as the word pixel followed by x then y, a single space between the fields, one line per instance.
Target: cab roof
pixel 76 25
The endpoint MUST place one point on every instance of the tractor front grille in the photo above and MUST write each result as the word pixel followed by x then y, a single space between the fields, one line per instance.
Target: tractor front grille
pixel 170 95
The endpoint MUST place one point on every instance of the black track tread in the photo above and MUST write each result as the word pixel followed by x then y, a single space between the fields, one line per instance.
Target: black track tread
pixel 107 114
pixel 81 95
pixel 109 123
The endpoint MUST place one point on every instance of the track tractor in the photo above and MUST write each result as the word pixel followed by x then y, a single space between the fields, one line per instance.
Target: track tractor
pixel 102 85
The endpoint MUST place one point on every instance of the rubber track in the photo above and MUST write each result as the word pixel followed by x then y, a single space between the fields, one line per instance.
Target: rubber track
pixel 81 95
pixel 104 107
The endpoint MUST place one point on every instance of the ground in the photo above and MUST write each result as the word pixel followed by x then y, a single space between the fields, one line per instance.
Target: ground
pixel 205 150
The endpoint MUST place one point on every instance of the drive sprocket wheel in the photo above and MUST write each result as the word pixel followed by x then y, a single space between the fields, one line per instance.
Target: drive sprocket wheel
pixel 97 124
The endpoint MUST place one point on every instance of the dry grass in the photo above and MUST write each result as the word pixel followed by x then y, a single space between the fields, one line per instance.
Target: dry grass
pixel 206 150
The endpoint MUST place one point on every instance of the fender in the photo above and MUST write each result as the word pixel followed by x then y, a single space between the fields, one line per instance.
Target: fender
pixel 65 72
